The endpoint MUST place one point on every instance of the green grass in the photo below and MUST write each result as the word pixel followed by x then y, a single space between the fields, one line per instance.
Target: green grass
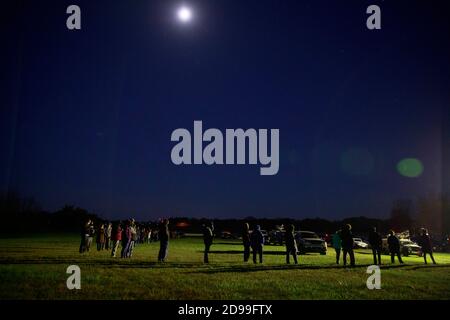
pixel 35 268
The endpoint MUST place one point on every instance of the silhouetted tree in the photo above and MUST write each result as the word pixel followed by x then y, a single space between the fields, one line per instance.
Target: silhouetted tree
pixel 401 215
pixel 431 213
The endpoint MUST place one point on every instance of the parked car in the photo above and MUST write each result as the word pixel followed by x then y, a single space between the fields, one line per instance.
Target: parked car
pixel 308 241
pixel 276 237
pixel 360 243
pixel 407 247
pixel 227 235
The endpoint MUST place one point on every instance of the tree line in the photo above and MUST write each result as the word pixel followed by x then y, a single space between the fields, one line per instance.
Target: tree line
pixel 25 215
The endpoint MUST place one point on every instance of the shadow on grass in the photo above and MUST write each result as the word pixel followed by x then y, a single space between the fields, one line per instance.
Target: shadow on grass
pixel 229 243
pixel 199 267
pixel 274 253
pixel 110 263
pixel 250 267
pixel 266 252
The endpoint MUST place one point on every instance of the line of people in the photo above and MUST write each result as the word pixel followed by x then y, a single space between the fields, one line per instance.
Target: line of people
pixel 343 240
pixel 255 240
pixel 109 236
pixel 129 235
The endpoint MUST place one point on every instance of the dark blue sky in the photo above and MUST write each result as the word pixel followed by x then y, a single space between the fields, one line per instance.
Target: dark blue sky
pixel 86 116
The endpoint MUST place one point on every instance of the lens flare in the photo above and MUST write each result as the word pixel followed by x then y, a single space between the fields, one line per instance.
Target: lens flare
pixel 184 14
pixel 410 167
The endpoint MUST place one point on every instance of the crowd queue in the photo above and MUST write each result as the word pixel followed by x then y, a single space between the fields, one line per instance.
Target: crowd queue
pixel 126 235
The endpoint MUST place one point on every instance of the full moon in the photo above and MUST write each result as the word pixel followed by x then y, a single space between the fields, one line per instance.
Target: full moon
pixel 184 14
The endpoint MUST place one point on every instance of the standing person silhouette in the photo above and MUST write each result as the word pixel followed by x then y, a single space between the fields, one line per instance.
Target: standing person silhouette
pixel 375 242
pixel 257 243
pixel 427 246
pixel 91 234
pixel 101 237
pixel 291 245
pixel 394 247
pixel 108 233
pixel 116 237
pixel 133 239
pixel 85 231
pixel 208 229
pixel 126 239
pixel 347 245
pixel 163 235
pixel 337 244
pixel 246 241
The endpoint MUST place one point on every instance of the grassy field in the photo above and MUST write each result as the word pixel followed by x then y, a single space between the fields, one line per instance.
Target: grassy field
pixel 35 268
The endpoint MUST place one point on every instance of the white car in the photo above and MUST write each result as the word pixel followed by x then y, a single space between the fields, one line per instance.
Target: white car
pixel 407 247
pixel 359 243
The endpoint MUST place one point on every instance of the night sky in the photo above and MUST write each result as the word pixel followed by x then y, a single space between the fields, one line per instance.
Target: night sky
pixel 86 116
